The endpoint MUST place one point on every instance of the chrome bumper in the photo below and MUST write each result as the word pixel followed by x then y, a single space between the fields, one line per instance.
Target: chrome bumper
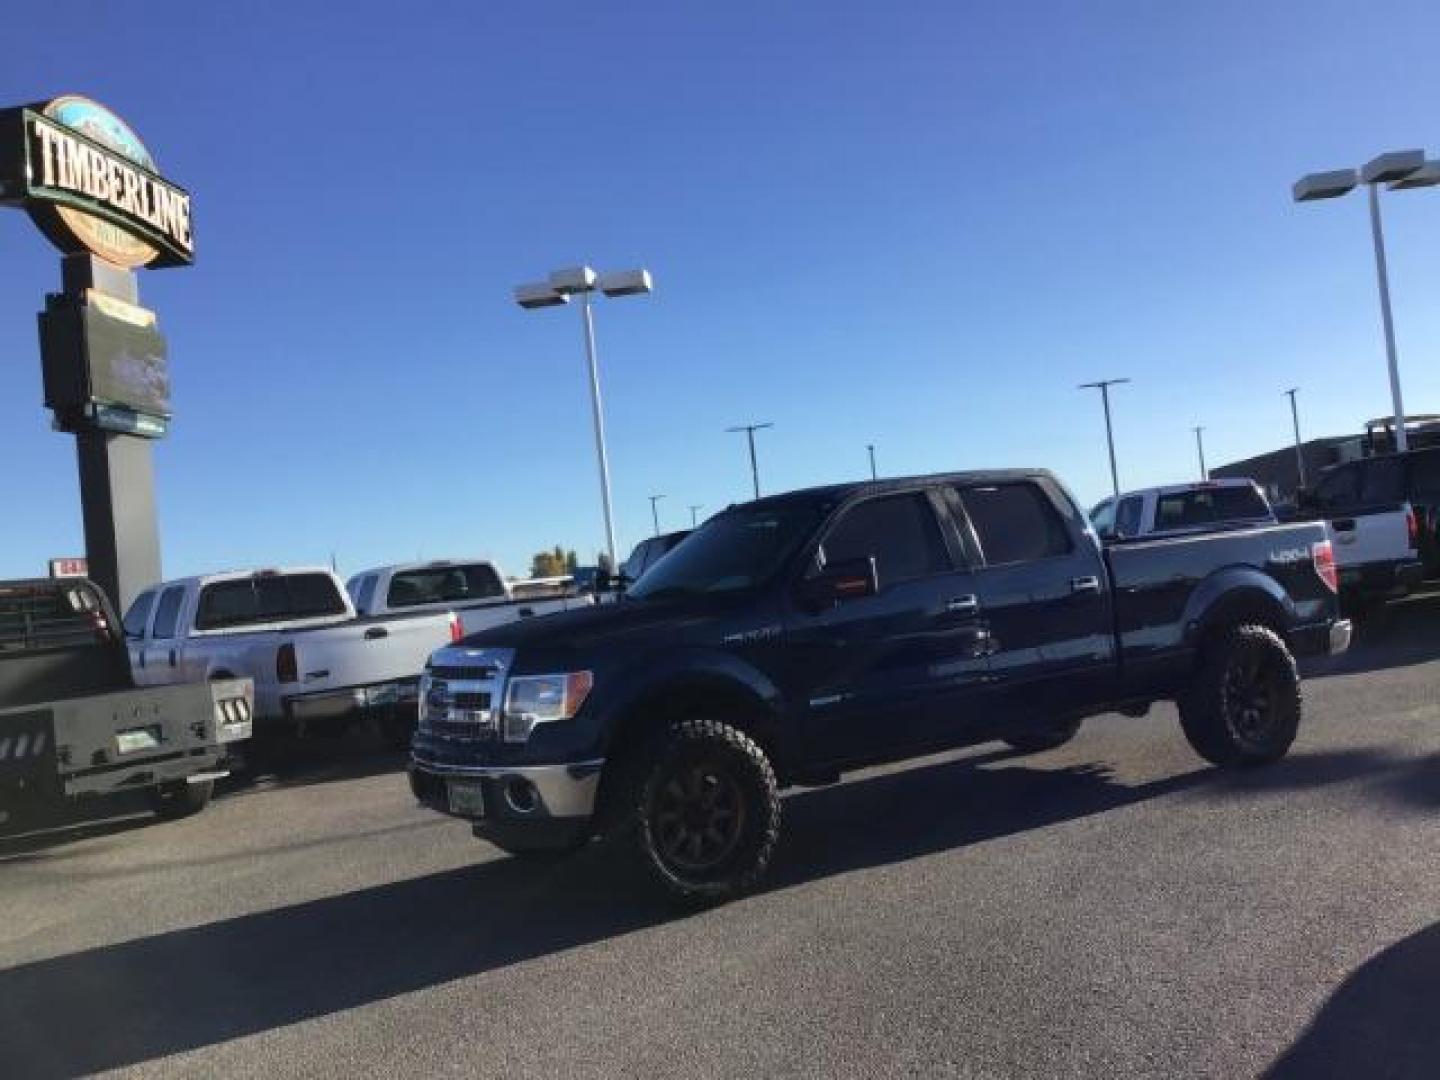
pixel 1340 632
pixel 563 791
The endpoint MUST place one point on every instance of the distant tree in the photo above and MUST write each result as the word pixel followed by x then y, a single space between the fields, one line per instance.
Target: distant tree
pixel 602 560
pixel 572 561
pixel 544 565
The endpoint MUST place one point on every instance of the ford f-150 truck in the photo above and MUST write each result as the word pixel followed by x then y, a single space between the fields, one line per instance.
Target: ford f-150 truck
pixel 472 588
pixel 802 635
pixel 73 723
pixel 315 666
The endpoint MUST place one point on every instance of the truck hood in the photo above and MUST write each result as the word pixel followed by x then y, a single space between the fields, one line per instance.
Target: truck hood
pixel 626 622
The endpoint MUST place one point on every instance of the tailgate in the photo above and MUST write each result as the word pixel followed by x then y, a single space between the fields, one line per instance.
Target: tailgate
pixel 133 738
pixel 367 651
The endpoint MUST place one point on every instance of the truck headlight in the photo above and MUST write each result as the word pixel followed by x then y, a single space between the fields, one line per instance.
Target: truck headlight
pixel 542 699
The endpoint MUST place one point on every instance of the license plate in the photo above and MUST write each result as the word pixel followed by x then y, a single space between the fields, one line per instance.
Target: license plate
pixel 127 742
pixel 466 798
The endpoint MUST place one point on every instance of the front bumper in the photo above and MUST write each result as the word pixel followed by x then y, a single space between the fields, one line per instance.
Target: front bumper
pixel 520 806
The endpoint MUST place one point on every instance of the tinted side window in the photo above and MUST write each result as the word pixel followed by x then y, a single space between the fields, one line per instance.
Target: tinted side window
pixel 1103 517
pixel 365 593
pixel 1127 517
pixel 900 531
pixel 1339 490
pixel 138 615
pixel 167 612
pixel 1015 523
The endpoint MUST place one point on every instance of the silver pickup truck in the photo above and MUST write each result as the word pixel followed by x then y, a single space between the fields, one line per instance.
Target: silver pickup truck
pixel 73 723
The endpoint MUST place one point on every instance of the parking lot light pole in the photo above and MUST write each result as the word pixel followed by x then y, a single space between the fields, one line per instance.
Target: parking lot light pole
pixel 750 430
pixel 871 448
pixel 557 289
pixel 654 513
pixel 693 508
pixel 1104 387
pixel 1400 170
pixel 1200 449
pixel 1295 418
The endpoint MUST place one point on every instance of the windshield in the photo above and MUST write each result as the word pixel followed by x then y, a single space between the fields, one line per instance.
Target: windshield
pixel 734 551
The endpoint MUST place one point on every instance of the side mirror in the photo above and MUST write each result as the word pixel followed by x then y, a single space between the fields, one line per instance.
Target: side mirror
pixel 848 579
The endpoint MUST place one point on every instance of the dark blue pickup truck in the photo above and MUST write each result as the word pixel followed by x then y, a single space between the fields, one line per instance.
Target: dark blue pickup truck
pixel 798 636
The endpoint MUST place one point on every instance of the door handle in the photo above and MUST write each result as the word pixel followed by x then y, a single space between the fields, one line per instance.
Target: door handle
pixel 376 632
pixel 1085 584
pixel 142 658
pixel 963 605
pixel 172 657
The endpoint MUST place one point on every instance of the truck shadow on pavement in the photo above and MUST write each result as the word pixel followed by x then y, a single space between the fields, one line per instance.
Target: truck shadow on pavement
pixel 191 988
pixel 1379 1023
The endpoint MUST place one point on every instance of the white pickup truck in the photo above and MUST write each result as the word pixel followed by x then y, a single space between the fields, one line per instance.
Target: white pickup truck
pixel 294 632
pixel 472 588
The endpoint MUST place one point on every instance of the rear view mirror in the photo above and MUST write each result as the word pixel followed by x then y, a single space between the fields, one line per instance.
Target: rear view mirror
pixel 848 579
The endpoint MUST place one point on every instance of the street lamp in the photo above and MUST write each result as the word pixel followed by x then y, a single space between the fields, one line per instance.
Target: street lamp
pixel 558 289
pixel 694 507
pixel 1299 452
pixel 1104 387
pixel 1400 170
pixel 655 514
pixel 750 430
pixel 1200 449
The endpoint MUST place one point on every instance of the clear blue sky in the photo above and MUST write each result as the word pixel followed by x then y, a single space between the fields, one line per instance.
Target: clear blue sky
pixel 916 224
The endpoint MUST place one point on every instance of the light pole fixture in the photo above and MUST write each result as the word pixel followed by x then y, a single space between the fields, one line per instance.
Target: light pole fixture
pixel 1399 170
pixel 750 430
pixel 1200 449
pixel 693 508
pixel 654 513
pixel 1295 418
pixel 871 447
pixel 557 289
pixel 1103 386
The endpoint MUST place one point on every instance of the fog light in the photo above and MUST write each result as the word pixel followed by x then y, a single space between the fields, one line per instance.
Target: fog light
pixel 520 796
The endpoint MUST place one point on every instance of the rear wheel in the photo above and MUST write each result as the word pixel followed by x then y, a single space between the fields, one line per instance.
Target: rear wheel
pixel 1243 705
pixel 704 809
pixel 180 799
pixel 1032 742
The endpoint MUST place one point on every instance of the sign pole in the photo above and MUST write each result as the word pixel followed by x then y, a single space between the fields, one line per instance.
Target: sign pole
pixel 117 471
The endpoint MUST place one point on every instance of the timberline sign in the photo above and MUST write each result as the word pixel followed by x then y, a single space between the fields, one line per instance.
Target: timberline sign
pixel 90 184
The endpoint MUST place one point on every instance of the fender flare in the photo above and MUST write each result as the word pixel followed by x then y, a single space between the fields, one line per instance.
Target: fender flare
pixel 1236 594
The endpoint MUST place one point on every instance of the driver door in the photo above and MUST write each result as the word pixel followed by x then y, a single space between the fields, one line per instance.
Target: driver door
pixel 883 675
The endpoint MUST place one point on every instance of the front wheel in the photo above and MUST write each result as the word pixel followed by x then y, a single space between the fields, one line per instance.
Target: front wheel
pixel 181 798
pixel 706 812
pixel 1243 704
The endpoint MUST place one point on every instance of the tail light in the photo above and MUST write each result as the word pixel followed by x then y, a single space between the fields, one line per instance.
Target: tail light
pixel 457 631
pixel 1412 527
pixel 286 668
pixel 1324 557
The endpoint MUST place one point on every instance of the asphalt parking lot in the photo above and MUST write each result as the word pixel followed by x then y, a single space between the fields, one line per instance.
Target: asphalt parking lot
pixel 1113 908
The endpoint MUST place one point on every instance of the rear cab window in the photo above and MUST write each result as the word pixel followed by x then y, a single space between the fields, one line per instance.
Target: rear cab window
pixel 1339 490
pixel 1015 523
pixel 270 598
pixel 444 585
pixel 1208 506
